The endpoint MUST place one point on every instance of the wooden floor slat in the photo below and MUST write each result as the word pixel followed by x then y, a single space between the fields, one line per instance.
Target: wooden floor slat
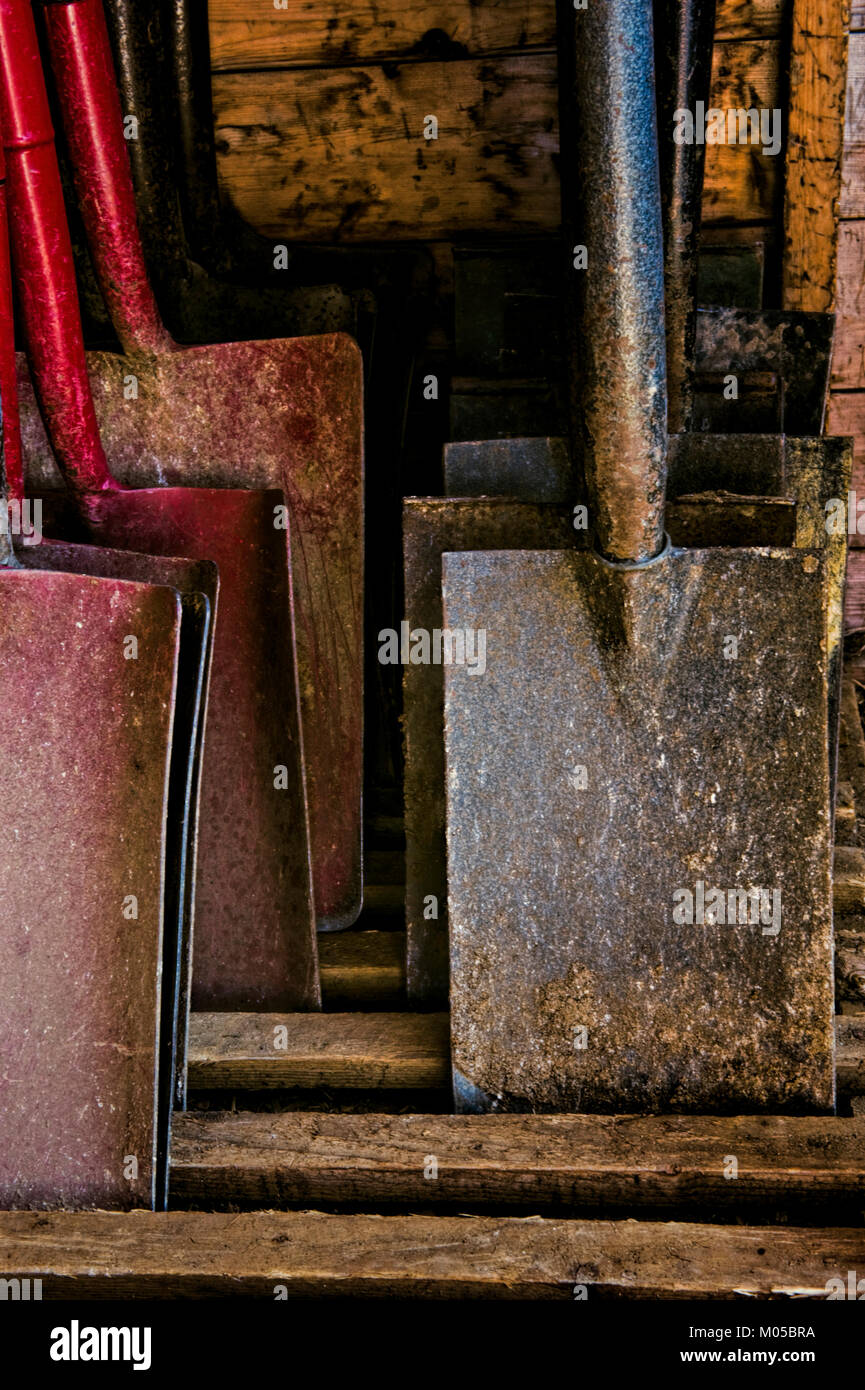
pixel 589 1160
pixel 366 1051
pixel 193 1254
pixel 351 1050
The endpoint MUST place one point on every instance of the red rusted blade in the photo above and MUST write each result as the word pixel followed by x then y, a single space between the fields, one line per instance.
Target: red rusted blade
pixel 255 943
pixel 86 739
pixel 289 415
pixel 197 584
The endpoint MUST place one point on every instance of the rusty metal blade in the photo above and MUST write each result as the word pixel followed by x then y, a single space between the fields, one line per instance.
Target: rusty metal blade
pixel 610 758
pixel 197 584
pixel 288 415
pixel 255 943
pixel 86 737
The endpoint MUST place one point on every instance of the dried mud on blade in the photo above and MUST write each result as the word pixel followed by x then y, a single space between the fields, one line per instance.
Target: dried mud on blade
pixel 649 739
pixel 697 769
pixel 284 414
pixel 432 525
pixel 255 928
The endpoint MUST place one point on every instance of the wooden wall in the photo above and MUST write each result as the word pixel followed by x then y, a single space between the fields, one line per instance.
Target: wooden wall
pixel 320 109
pixel 847 403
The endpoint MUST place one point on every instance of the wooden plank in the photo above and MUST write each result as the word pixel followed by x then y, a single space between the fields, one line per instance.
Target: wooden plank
pixel 206 1254
pixel 852 746
pixel 815 136
pixel 254 34
pixel 848 880
pixel 352 1051
pixel 853 163
pixel 850 1032
pixel 848 356
pixel 261 1051
pixel 362 966
pixel 581 1160
pixel 339 154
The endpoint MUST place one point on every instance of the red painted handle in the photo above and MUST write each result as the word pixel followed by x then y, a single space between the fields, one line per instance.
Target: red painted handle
pixel 42 254
pixel 86 84
pixel 13 464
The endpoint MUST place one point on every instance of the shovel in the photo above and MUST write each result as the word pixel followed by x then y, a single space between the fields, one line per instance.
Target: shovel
pixel 285 414
pixel 255 937
pixel 196 583
pixel 638 786
pixel 91 744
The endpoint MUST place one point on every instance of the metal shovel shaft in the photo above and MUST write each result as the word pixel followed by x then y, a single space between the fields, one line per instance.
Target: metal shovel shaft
pixel 618 390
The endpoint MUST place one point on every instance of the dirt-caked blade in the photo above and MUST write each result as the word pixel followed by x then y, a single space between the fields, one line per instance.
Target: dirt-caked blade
pixel 645 752
pixel 432 525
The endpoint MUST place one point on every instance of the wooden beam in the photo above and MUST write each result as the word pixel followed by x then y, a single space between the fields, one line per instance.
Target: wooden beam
pixel 525 1160
pixel 206 1254
pixel 339 154
pixel 848 880
pixel 815 137
pixel 362 966
pixel 367 1051
pixel 853 163
pixel 848 354
pixel 850 1030
pixel 360 1052
pixel 246 35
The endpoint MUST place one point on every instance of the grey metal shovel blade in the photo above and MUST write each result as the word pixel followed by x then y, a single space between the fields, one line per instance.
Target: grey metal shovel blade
pixel 639 736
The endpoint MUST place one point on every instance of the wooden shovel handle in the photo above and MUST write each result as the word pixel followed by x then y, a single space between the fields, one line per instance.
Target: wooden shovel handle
pixel 86 85
pixel 42 255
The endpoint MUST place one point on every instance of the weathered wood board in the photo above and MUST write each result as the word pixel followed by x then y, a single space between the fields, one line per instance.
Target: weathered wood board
pixel 352 1050
pixel 340 153
pixel 98 1255
pixel 249 34
pixel 815 135
pixel 526 1160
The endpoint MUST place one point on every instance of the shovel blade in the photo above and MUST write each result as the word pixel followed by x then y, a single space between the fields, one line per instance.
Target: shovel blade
pixel 255 944
pixel 86 738
pixel 638 741
pixel 286 414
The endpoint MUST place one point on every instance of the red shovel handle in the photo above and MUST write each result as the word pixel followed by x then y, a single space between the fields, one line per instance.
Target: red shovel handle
pixel 86 84
pixel 42 253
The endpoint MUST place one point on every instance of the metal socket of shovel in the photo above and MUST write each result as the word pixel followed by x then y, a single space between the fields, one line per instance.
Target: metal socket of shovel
pixel 284 414
pixel 195 584
pixel 255 928
pixel 638 790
